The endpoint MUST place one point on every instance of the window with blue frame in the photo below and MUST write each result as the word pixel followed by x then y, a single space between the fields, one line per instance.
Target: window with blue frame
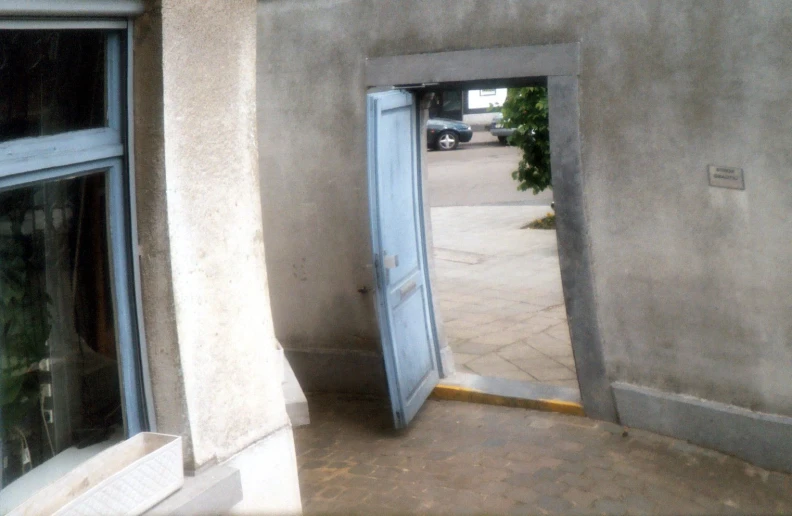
pixel 70 371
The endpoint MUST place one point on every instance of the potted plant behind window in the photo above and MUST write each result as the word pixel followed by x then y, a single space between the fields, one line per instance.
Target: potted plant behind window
pixel 24 329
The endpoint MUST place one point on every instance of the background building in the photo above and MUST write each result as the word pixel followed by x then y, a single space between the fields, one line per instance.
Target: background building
pixel 689 298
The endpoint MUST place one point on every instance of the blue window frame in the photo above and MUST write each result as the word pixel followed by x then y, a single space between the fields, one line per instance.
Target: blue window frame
pixel 53 156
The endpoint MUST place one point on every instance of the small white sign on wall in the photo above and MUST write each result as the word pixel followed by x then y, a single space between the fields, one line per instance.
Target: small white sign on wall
pixel 726 177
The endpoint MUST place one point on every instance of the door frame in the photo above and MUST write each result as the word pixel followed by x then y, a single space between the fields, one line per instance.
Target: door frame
pixel 559 66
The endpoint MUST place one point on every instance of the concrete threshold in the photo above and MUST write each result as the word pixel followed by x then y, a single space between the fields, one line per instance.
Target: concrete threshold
pixel 489 390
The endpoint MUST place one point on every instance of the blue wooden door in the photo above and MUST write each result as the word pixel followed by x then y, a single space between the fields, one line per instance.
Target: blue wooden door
pixel 409 344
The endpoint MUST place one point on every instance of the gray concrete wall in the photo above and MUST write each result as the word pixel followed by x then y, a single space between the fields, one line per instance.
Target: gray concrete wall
pixel 215 368
pixel 691 283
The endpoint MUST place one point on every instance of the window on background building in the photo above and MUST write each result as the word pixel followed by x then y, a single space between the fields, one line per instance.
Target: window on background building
pixel 484 101
pixel 69 363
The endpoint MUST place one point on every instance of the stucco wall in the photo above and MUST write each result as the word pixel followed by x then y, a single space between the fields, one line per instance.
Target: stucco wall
pixel 691 282
pixel 215 371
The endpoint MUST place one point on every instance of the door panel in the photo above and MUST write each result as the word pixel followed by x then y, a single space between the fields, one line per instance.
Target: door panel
pixel 415 359
pixel 408 342
pixel 399 235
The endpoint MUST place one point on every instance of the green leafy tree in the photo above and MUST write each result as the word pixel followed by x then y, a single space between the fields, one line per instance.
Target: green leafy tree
pixel 525 109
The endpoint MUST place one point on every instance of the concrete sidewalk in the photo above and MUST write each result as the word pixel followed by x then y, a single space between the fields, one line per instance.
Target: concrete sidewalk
pixel 462 458
pixel 499 293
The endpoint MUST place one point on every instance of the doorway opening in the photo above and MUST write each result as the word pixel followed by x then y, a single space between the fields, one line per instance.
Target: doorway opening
pixel 508 324
pixel 398 84
pixel 497 284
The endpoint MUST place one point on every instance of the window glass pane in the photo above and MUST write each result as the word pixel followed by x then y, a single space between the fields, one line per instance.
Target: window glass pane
pixel 60 390
pixel 452 101
pixel 51 81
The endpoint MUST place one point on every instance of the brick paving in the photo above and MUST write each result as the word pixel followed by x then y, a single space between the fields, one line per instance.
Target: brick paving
pixel 499 294
pixel 461 458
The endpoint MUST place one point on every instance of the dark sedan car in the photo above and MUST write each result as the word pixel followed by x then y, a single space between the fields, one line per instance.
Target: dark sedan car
pixel 444 134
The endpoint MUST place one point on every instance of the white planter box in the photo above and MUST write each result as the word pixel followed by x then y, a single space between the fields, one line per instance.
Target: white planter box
pixel 128 478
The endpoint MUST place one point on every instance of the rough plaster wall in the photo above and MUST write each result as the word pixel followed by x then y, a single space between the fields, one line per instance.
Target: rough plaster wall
pixel 170 408
pixel 692 282
pixel 220 358
pixel 314 188
pixel 702 303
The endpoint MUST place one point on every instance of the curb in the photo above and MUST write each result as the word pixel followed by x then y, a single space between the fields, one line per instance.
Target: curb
pixel 457 393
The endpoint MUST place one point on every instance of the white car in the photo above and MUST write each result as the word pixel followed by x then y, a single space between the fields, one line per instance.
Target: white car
pixel 497 129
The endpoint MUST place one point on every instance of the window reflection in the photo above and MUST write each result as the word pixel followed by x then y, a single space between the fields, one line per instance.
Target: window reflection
pixel 58 364
pixel 51 82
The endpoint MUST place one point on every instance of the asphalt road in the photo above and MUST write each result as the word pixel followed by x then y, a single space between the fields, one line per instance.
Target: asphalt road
pixel 478 173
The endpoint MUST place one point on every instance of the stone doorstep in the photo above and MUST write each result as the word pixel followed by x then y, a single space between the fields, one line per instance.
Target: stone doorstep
pixel 510 393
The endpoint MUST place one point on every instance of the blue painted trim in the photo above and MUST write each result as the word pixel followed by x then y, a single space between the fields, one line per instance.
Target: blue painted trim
pixel 71 8
pixel 136 391
pixel 51 174
pixel 29 154
pixel 61 24
pixel 113 88
pixel 129 359
pixel 142 347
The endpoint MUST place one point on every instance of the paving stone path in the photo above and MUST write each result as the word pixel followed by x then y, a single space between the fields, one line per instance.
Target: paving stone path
pixel 499 293
pixel 461 458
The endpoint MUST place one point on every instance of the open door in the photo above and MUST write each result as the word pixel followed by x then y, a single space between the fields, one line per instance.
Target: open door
pixel 409 345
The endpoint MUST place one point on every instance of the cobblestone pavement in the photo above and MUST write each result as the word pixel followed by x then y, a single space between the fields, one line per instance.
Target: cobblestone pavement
pixel 499 293
pixel 461 458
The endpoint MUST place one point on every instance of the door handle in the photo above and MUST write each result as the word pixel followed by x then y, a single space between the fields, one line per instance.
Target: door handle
pixel 390 261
